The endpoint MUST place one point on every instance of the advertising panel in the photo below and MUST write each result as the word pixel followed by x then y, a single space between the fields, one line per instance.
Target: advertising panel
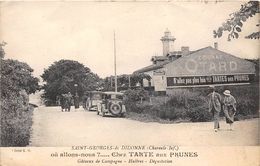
pixel 208 80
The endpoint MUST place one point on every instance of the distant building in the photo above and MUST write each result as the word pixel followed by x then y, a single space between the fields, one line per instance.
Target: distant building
pixel 202 67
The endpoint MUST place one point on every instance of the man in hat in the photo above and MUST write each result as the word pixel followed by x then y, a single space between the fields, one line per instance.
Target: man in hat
pixel 215 106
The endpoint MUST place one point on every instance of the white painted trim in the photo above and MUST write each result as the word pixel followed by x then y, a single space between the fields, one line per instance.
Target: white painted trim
pixel 190 86
pixel 207 75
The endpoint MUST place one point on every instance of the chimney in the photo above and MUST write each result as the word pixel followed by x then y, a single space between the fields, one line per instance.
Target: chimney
pixel 185 50
pixel 216 45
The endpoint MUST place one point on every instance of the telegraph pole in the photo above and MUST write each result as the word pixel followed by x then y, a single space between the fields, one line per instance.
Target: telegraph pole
pixel 115 61
pixel 129 81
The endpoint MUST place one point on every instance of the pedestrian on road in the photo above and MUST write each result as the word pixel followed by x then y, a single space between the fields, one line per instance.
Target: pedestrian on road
pixel 69 100
pixel 76 101
pixel 84 99
pixel 215 106
pixel 58 100
pixel 63 102
pixel 229 108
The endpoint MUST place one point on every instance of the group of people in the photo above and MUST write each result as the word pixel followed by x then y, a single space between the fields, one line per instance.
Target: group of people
pixel 218 103
pixel 66 100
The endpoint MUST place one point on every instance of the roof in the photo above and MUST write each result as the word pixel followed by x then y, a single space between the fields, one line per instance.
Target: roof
pixel 159 58
pixel 160 65
pixel 151 67
pixel 174 53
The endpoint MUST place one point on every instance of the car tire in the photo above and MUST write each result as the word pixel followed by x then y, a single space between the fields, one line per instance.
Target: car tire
pixel 115 109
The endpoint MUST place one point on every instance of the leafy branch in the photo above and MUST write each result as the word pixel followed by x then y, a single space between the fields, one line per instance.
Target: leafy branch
pixel 235 23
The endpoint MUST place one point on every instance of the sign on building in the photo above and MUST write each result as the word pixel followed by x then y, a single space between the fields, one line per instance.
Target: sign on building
pixel 209 66
pixel 209 80
pixel 159 80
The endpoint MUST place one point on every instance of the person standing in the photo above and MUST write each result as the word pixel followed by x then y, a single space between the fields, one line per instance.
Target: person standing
pixel 215 106
pixel 84 99
pixel 76 101
pixel 69 100
pixel 229 108
pixel 62 101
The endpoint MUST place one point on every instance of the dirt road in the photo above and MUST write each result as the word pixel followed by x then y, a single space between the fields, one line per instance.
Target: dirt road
pixel 51 127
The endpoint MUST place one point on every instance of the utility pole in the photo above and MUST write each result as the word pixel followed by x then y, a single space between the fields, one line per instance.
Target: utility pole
pixel 129 81
pixel 115 61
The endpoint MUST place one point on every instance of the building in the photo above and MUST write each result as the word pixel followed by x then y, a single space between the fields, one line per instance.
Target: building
pixel 203 67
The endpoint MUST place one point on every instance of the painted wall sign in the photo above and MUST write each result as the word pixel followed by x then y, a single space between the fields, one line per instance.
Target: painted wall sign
pixel 208 80
pixel 207 62
pixel 194 66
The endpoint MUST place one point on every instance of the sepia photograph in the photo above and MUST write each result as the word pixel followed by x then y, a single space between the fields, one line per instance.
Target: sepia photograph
pixel 129 82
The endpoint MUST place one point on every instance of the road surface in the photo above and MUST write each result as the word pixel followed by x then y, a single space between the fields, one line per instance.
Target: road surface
pixel 53 128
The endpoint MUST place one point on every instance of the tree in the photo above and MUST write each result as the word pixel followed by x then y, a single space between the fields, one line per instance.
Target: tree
pixel 138 78
pixel 16 114
pixel 2 52
pixel 16 76
pixel 235 23
pixel 62 76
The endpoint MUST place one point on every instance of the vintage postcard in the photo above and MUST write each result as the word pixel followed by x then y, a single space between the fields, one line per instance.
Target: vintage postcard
pixel 129 83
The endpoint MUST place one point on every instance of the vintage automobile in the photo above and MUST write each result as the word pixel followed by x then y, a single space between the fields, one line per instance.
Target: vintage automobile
pixel 112 104
pixel 93 99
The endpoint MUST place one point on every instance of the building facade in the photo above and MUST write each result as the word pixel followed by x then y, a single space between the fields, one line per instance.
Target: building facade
pixel 203 67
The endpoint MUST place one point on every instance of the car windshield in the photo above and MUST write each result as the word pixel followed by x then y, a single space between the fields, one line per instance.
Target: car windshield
pixel 113 96
pixel 96 96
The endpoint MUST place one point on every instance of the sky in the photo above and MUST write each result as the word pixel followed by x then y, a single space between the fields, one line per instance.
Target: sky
pixel 40 33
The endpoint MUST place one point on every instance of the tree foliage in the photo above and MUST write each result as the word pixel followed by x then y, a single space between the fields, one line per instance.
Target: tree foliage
pixel 16 114
pixel 2 52
pixel 16 76
pixel 62 76
pixel 235 23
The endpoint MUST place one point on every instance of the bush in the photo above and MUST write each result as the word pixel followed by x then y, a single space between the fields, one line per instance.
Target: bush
pixel 199 114
pixel 134 95
pixel 192 104
pixel 16 122
pixel 17 82
pixel 134 107
pixel 183 105
pixel 174 114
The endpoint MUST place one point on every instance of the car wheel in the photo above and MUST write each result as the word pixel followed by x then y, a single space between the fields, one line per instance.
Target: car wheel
pixel 115 109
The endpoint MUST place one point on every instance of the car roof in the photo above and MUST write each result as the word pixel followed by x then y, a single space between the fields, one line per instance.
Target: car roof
pixel 113 93
pixel 94 92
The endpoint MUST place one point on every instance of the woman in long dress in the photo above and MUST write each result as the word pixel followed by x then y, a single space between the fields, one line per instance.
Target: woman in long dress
pixel 229 107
